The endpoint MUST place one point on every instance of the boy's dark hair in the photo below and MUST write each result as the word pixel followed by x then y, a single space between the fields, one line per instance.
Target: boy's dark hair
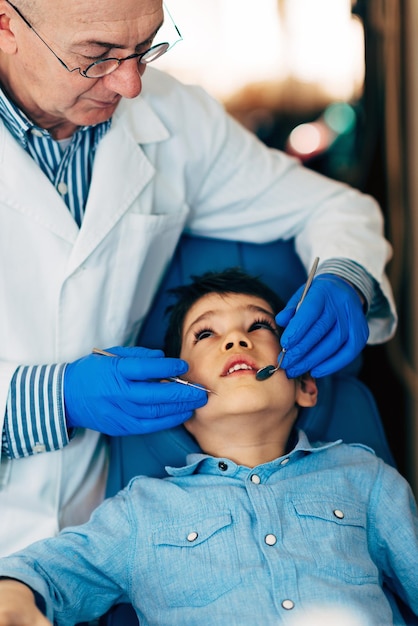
pixel 231 280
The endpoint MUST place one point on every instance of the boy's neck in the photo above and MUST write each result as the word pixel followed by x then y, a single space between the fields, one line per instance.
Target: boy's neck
pixel 243 441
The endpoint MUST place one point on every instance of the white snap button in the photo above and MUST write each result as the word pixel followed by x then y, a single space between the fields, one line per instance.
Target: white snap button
pixel 192 536
pixel 62 188
pixel 285 461
pixel 270 539
pixel 39 448
pixel 255 478
pixel 338 514
pixel 36 132
pixel 288 604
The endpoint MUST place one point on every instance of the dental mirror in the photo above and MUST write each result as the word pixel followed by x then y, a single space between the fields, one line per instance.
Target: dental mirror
pixel 268 370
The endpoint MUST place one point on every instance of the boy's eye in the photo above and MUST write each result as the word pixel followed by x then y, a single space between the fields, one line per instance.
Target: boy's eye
pixel 263 323
pixel 203 334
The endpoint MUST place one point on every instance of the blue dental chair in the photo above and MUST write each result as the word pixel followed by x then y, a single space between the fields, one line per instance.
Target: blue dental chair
pixel 346 409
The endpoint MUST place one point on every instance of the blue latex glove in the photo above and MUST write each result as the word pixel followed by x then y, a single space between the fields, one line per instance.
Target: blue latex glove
pixel 328 331
pixel 123 396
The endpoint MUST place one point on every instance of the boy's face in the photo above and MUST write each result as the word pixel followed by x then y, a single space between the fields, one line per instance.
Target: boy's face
pixel 226 338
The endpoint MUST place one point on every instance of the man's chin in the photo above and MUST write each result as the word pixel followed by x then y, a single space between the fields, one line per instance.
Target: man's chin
pixel 97 113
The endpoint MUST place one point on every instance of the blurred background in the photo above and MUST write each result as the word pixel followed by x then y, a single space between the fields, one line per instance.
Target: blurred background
pixel 334 82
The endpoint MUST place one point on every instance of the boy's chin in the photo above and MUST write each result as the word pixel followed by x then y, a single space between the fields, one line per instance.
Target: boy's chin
pixel 239 402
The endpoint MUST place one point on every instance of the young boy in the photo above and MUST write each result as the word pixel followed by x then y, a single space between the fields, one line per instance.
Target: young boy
pixel 263 528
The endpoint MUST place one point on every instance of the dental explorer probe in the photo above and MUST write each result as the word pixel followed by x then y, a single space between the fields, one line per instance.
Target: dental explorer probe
pixel 268 370
pixel 174 379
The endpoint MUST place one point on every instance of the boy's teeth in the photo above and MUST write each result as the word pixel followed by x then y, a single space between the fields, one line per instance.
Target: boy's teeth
pixel 239 366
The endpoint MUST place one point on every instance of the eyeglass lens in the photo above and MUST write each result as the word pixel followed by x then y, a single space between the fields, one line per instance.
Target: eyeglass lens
pixel 107 66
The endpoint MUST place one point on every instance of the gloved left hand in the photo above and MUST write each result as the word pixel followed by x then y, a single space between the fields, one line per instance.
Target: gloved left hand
pixel 328 331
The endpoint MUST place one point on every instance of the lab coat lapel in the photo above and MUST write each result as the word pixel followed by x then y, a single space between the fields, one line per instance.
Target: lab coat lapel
pixel 121 172
pixel 24 188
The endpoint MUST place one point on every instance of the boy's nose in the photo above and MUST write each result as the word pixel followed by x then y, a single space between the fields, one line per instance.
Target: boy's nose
pixel 242 343
pixel 231 344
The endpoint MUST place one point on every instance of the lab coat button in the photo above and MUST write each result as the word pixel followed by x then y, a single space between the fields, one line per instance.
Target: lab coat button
pixel 192 536
pixel 222 466
pixel 255 478
pixel 62 188
pixel 288 605
pixel 338 514
pixel 270 539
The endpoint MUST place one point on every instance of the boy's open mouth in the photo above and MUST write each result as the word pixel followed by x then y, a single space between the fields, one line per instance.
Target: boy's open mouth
pixel 238 363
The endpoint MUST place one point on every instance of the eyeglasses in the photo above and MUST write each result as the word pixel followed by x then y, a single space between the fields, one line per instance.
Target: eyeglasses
pixel 103 67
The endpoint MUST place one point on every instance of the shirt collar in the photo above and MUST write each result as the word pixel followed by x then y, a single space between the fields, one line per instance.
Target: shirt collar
pixel 14 119
pixel 199 462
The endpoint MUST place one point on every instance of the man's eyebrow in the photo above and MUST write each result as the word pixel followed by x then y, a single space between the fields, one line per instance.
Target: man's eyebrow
pixel 109 45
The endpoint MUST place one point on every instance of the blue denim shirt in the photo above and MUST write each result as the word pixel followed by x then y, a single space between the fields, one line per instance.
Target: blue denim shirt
pixel 324 527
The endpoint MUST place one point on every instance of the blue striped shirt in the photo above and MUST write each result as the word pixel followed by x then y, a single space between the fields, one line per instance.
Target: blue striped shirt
pixel 35 416
pixel 33 395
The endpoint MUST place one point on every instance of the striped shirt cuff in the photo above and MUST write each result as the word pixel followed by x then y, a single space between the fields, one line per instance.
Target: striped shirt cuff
pixel 35 415
pixel 357 276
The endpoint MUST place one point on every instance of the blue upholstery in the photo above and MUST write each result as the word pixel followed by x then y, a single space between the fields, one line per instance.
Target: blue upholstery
pixel 346 408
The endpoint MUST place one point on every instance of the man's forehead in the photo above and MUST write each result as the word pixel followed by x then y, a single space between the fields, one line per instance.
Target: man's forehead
pixel 104 15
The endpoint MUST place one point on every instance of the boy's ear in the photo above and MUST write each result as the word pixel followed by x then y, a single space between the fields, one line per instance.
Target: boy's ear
pixel 307 393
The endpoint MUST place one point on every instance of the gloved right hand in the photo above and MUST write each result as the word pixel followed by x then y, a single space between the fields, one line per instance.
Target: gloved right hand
pixel 123 395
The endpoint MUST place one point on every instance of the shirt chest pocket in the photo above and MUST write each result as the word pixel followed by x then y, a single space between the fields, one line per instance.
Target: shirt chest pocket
pixel 336 537
pixel 197 559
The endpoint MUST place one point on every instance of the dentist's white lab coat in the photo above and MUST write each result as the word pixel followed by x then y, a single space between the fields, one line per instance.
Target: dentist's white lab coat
pixel 171 161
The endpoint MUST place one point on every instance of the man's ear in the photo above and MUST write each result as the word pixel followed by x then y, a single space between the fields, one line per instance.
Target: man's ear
pixel 7 37
pixel 307 392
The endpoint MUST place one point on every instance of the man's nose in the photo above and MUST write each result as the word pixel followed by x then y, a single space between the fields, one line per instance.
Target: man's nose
pixel 126 79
